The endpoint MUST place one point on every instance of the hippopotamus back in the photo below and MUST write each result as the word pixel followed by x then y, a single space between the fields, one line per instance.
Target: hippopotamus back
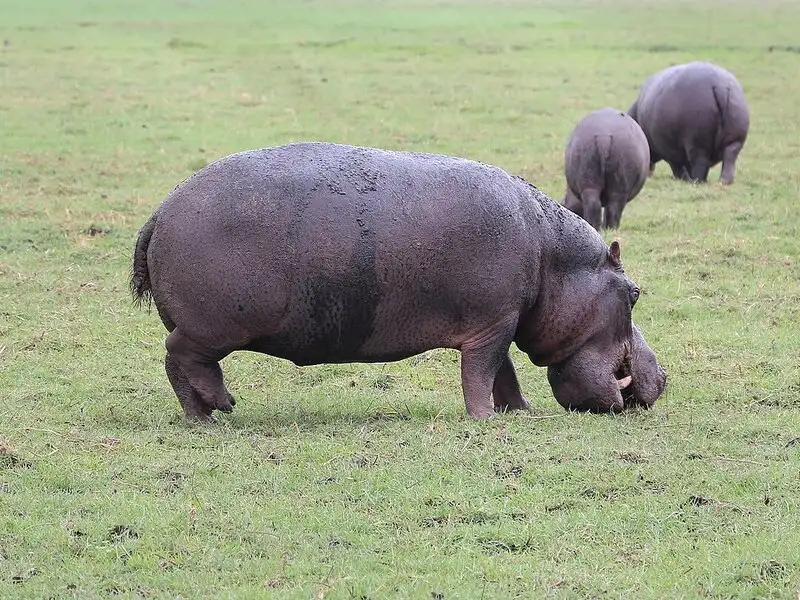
pixel 335 233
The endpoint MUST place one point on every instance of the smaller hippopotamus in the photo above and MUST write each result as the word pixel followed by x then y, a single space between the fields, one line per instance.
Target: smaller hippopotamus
pixel 606 165
pixel 694 116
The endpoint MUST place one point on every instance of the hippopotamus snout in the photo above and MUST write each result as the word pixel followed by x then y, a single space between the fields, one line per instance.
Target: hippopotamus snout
pixel 584 383
pixel 647 398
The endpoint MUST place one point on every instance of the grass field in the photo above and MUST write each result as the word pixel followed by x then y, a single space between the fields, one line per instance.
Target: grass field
pixel 368 481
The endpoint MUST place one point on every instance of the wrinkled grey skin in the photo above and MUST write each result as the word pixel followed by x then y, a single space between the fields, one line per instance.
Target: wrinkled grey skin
pixel 606 164
pixel 694 116
pixel 324 253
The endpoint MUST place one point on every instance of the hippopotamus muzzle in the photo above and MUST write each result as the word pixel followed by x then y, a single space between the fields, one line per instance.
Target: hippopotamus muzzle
pixel 583 383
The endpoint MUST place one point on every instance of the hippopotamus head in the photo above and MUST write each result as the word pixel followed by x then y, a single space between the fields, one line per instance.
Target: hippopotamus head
pixel 597 359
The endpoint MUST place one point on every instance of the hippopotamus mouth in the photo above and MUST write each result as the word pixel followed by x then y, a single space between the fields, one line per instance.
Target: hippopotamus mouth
pixel 625 384
pixel 625 380
pixel 628 386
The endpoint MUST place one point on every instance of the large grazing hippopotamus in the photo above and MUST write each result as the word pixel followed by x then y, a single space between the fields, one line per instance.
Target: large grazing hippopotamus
pixel 606 163
pixel 326 253
pixel 694 116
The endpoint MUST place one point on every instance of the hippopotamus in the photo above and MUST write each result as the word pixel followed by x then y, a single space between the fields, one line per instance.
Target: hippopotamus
pixel 326 253
pixel 694 116
pixel 606 164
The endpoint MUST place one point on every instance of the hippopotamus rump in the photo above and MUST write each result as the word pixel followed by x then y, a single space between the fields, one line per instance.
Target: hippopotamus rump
pixel 326 253
pixel 606 163
pixel 694 116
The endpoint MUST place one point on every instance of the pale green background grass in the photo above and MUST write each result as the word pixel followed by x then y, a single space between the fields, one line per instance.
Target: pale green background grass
pixel 368 481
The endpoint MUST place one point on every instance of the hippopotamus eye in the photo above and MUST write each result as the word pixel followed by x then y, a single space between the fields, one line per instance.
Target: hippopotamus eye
pixel 634 295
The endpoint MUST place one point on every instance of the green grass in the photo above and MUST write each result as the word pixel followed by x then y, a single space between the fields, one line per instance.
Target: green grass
pixel 368 481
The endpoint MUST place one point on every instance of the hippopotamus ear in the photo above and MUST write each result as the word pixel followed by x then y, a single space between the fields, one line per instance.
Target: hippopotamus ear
pixel 614 253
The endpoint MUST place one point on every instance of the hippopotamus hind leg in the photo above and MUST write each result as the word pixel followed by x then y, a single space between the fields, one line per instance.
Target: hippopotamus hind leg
pixel 729 156
pixel 505 391
pixel 654 160
pixel 592 207
pixel 613 210
pixel 699 164
pixel 193 406
pixel 680 171
pixel 573 203
pixel 200 367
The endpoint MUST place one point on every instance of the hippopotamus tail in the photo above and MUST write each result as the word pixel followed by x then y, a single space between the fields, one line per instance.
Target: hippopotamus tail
pixel 722 96
pixel 603 144
pixel 140 274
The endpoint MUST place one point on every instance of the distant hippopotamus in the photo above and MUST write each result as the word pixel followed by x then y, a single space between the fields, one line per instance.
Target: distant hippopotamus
pixel 327 253
pixel 606 163
pixel 694 116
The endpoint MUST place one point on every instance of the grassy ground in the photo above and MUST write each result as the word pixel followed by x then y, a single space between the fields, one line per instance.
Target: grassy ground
pixel 367 481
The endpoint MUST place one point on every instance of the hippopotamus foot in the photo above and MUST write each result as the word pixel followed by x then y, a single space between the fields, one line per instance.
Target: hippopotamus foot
pixel 484 360
pixel 199 377
pixel 729 156
pixel 193 406
pixel 506 392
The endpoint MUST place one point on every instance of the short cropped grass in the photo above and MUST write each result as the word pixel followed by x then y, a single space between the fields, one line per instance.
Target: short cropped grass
pixel 368 481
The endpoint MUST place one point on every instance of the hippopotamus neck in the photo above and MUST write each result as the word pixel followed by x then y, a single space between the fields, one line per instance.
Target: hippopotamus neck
pixel 573 261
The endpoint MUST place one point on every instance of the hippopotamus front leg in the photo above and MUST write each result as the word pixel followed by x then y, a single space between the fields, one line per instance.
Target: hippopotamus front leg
pixel 483 358
pixel 729 156
pixel 506 391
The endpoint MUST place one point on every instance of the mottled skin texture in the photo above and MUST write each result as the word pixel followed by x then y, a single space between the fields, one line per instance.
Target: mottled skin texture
pixel 606 163
pixel 324 253
pixel 694 116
